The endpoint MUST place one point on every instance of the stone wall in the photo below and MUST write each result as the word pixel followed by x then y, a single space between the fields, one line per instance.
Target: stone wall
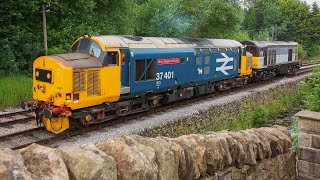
pixel 263 153
pixel 308 164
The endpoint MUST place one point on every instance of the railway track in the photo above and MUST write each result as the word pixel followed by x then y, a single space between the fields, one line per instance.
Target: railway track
pixel 23 138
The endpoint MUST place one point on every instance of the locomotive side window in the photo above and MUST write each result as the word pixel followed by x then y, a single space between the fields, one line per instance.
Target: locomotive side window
pixel 112 58
pixel 234 49
pixel 205 51
pixel 207 60
pixel 214 50
pixel 222 50
pixel 145 69
pixel 183 60
pixel 140 65
pixel 199 60
pixel 151 72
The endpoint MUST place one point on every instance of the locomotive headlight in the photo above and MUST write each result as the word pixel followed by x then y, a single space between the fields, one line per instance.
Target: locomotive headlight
pixel 76 97
pixel 68 96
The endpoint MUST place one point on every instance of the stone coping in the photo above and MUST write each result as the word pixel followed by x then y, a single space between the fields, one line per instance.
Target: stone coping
pixel 309 115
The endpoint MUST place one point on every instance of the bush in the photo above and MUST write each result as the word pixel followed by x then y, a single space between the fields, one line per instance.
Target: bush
pixel 310 91
pixel 259 117
pixel 302 53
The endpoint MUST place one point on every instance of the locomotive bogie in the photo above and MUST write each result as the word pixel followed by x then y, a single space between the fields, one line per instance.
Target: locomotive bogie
pixel 56 124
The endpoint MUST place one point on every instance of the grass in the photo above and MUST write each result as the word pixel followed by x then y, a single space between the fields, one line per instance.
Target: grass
pixel 312 59
pixel 13 89
pixel 265 108
pixel 253 112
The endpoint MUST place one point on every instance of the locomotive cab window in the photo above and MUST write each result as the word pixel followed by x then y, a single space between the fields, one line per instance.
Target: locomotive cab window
pixel 111 59
pixel 253 50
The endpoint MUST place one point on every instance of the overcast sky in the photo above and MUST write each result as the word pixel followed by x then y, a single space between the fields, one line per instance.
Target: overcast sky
pixel 311 1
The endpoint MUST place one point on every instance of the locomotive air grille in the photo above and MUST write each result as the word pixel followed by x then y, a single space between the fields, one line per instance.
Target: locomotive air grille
pixel 79 81
pixel 249 62
pixel 93 83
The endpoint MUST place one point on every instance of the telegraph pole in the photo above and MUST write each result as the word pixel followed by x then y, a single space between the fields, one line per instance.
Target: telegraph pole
pixel 44 28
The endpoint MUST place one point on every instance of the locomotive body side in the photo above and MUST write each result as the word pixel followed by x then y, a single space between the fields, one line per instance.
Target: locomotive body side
pixel 110 76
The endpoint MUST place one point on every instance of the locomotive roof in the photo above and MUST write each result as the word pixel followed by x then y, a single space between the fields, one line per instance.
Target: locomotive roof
pixel 77 60
pixel 269 43
pixel 163 42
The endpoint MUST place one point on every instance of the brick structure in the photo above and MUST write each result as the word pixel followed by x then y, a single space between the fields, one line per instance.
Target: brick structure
pixel 308 164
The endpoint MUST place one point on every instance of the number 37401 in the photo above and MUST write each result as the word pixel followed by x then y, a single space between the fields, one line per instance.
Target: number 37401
pixel 164 75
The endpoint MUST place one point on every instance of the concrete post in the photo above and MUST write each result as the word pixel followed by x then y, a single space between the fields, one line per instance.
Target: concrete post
pixel 308 164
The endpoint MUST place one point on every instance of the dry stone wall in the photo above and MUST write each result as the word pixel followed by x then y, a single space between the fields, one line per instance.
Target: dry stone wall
pixel 263 153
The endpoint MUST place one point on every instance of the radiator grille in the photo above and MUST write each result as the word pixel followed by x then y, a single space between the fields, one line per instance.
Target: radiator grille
pixel 93 83
pixel 249 62
pixel 79 81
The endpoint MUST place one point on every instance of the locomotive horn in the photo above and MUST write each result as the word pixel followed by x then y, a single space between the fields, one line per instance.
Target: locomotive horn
pixel 26 104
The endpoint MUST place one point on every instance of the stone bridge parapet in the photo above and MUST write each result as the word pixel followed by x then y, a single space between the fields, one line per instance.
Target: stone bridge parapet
pixel 263 153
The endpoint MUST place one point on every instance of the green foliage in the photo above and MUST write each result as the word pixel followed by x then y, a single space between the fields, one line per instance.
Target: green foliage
pixel 265 108
pixel 13 89
pixel 302 53
pixel 260 110
pixel 294 132
pixel 162 18
pixel 286 20
pixel 310 91
pixel 259 117
pixel 21 36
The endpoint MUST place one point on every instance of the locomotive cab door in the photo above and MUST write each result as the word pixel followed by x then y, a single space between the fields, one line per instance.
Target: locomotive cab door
pixel 125 63
pixel 110 75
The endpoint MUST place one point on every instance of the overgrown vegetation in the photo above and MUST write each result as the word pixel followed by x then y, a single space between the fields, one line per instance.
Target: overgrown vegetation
pixel 310 91
pixel 253 112
pixel 265 108
pixel 13 89
pixel 21 39
pixel 310 95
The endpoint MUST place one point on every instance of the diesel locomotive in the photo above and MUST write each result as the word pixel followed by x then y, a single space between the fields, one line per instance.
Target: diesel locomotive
pixel 104 77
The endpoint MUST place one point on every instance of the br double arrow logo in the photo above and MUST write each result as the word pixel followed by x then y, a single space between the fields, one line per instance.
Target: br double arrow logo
pixel 224 66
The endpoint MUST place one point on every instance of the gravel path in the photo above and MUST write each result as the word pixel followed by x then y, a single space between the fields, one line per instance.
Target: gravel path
pixel 135 126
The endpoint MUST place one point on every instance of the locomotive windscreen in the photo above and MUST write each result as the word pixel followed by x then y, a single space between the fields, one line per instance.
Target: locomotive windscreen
pixel 88 46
